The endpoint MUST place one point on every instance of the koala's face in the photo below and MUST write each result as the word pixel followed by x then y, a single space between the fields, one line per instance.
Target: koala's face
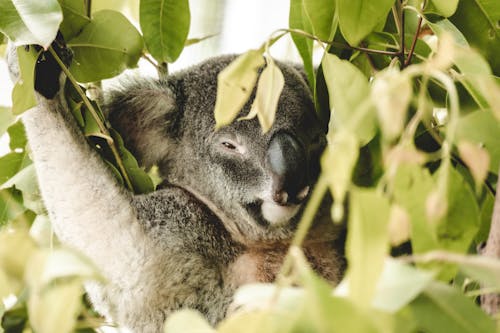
pixel 258 181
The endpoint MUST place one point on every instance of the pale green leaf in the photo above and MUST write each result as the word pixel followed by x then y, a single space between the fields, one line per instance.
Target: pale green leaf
pixel 442 308
pixel 106 46
pixel 30 21
pixel 10 164
pixel 74 17
pixel 165 25
pixel 55 309
pixel 349 97
pixel 6 119
pixel 482 128
pixel 321 15
pixel 445 26
pixel 367 242
pixel 442 7
pixel 357 18
pixel 14 262
pixel 298 19
pixel 187 321
pixel 23 94
pixel 235 85
pixel 265 104
pixel 11 205
pixel 26 181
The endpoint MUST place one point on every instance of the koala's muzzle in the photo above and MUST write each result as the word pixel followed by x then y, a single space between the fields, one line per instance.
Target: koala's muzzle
pixel 287 160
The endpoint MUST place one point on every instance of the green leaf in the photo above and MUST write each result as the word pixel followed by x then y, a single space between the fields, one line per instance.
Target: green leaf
pixel 13 263
pixel 482 128
pixel 6 119
pixel 106 46
pixel 10 164
pixel 321 15
pixel 235 85
pixel 265 104
pixel 75 17
pixel 23 94
pixel 140 180
pixel 478 21
pixel 30 21
pixel 17 136
pixel 367 242
pixel 357 18
pixel 298 20
pixel 349 95
pixel 26 181
pixel 11 205
pixel 442 7
pixel 165 25
pixel 187 321
pixel 442 308
pixel 445 26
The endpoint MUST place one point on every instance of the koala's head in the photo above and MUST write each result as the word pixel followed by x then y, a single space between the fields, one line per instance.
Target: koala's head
pixel 256 183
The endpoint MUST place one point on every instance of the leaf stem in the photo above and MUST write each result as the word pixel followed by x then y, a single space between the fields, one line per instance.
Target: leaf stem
pixel 88 4
pixel 102 127
pixel 414 42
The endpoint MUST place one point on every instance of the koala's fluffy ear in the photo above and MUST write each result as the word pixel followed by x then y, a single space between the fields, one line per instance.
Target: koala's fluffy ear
pixel 146 114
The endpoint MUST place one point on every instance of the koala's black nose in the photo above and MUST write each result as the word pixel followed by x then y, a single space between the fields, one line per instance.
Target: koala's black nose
pixel 287 160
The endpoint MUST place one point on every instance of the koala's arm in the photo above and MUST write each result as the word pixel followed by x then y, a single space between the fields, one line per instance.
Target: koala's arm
pixel 89 209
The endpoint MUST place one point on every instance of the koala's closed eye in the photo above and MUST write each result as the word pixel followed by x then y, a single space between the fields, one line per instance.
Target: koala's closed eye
pixel 231 145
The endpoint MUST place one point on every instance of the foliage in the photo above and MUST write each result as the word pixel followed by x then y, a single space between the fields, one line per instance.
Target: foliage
pixel 412 87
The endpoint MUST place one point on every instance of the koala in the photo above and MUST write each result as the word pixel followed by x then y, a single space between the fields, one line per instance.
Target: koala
pixel 223 217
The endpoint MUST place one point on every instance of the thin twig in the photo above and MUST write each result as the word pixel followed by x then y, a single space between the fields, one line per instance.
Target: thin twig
pixel 89 8
pixel 414 42
pixel 102 127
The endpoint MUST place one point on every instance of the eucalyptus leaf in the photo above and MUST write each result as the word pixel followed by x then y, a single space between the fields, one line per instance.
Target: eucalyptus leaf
pixel 10 164
pixel 298 20
pixel 321 14
pixel 17 136
pixel 23 94
pixel 16 248
pixel 349 97
pixel 442 7
pixel 74 17
pixel 30 21
pixel 165 25
pixel 6 119
pixel 442 308
pixel 367 243
pixel 357 18
pixel 105 47
pixel 187 321
pixel 482 128
pixel 478 21
pixel 235 85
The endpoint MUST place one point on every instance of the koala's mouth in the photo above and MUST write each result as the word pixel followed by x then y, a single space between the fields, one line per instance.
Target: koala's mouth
pixel 267 213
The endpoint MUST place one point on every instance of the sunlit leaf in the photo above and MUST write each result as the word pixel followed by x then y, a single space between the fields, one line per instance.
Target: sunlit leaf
pixel 6 119
pixel 442 308
pixel 75 17
pixel 106 46
pixel 30 21
pixel 234 86
pixel 442 7
pixel 321 16
pixel 298 20
pixel 14 262
pixel 165 25
pixel 10 164
pixel 187 321
pixel 477 160
pixel 23 94
pixel 367 242
pixel 399 225
pixel 357 18
pixel 349 95
pixel 265 104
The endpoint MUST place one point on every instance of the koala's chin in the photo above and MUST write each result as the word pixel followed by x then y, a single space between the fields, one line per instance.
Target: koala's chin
pixel 278 215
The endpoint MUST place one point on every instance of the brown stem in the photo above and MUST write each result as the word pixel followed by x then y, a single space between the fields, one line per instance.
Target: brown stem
pixel 414 42
pixel 490 303
pixel 401 21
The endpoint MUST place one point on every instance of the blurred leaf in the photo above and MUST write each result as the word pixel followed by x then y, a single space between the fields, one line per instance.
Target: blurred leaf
pixel 265 104
pixel 367 242
pixel 483 129
pixel 74 17
pixel 26 181
pixel 235 84
pixel 299 20
pixel 478 21
pixel 11 205
pixel 445 26
pixel 16 247
pixel 187 321
pixel 192 41
pixel 165 25
pixel 15 320
pixel 486 211
pixel 30 21
pixel 337 164
pixel 10 164
pixel 55 309
pixel 141 182
pixel 17 136
pixel 349 94
pixel 476 159
pixel 442 7
pixel 357 18
pixel 106 46
pixel 441 308
pixel 6 119
pixel 23 94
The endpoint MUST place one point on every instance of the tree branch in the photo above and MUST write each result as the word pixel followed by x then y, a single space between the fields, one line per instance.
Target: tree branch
pixel 414 42
pixel 490 303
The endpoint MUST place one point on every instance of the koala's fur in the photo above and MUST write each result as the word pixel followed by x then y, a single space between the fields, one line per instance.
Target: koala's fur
pixel 205 232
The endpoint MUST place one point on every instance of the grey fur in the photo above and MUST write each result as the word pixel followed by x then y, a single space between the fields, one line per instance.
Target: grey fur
pixel 194 241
